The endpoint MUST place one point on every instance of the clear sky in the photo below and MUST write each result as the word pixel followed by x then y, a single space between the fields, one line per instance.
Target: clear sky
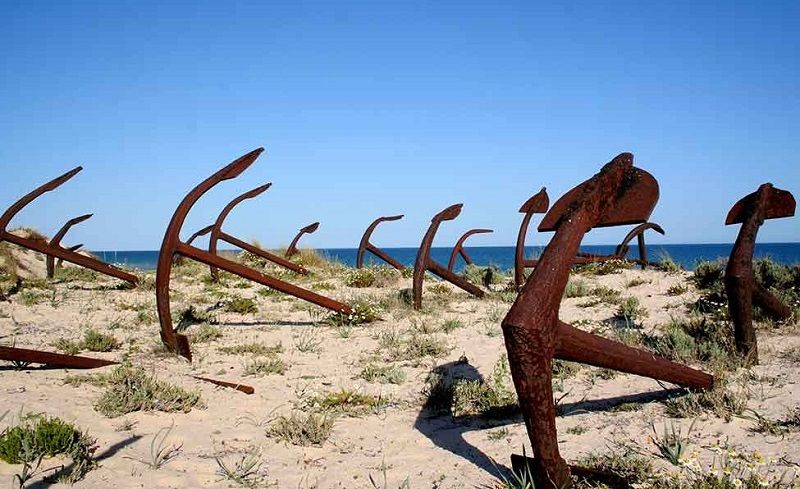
pixel 374 108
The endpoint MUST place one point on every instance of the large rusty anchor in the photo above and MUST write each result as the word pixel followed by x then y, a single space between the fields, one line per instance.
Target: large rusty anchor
pixel 172 245
pixel 292 249
pixel 621 251
pixel 218 234
pixel 741 285
pixel 50 261
pixel 539 203
pixel 365 245
pixel 534 334
pixel 458 249
pixel 424 262
pixel 54 249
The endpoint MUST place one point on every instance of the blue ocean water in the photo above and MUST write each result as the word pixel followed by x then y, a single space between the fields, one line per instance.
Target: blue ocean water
pixel 503 256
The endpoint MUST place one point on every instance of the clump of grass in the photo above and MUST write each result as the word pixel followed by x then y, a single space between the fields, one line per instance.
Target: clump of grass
pixel 668 265
pixel 418 346
pixel 708 275
pixel 38 437
pixel 440 289
pixel 607 294
pixel 577 288
pixel 775 426
pixel 677 289
pixel 307 340
pixel 450 325
pixel 245 471
pixel 720 400
pixel 347 402
pixel 625 464
pixel 255 349
pixel 630 310
pixel 242 305
pixel 483 275
pixel 186 318
pixel 132 389
pixel 322 286
pixel 74 274
pixel 563 369
pixel 94 340
pixel 364 310
pixel 160 452
pixel 636 281
pixel 301 429
pixel 383 374
pixel 206 333
pixel 372 276
pixel 696 339
pixel 603 267
pixel 265 366
pixel 490 398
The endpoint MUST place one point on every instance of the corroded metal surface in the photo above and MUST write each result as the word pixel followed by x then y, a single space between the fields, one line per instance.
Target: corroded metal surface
pixel 538 204
pixel 231 385
pixel 424 262
pixel 218 234
pixel 24 355
pixel 55 241
pixel 292 249
pixel 458 249
pixel 534 334
pixel 365 245
pixel 741 285
pixel 172 245
pixel 55 250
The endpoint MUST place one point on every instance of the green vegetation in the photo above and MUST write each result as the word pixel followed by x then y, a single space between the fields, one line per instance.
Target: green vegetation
pixel 372 276
pixel 347 402
pixel 301 429
pixel 383 374
pixel 577 288
pixel 492 397
pixel 38 437
pixel 242 305
pixel 132 389
pixel 486 276
pixel 365 310
pixel 206 333
pixel 93 340
pixel 254 349
pixel 602 267
pixel 265 366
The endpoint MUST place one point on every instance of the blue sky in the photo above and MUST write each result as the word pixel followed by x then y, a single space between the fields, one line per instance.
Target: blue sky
pixel 375 108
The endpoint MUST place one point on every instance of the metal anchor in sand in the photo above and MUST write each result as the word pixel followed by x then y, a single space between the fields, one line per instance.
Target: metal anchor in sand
pixel 365 245
pixel 741 285
pixel 53 249
pixel 458 249
pixel 534 335
pixel 56 241
pixel 218 234
pixel 539 203
pixel 424 262
pixel 292 249
pixel 172 245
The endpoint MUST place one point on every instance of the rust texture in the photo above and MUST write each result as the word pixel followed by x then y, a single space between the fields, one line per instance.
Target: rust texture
pixel 70 248
pixel 539 203
pixel 292 249
pixel 534 334
pixel 172 245
pixel 741 285
pixel 55 241
pixel 57 251
pixel 218 234
pixel 365 245
pixel 424 262
pixel 458 249
pixel 24 355
pixel 224 383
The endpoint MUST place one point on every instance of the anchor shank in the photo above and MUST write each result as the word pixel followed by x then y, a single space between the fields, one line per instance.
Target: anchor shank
pixel 456 280
pixel 579 346
pixel 263 254
pixel 70 256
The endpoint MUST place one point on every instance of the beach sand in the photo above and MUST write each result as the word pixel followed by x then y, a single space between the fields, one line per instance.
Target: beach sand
pixel 398 439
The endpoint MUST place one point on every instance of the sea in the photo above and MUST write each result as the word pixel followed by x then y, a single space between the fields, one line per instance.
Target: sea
pixel 502 257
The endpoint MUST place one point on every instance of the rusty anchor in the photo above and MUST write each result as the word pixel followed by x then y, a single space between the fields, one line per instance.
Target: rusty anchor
pixel 172 245
pixel 26 356
pixel 539 203
pixel 534 335
pixel 292 249
pixel 218 234
pixel 56 241
pixel 53 249
pixel 365 245
pixel 458 249
pixel 741 285
pixel 424 262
